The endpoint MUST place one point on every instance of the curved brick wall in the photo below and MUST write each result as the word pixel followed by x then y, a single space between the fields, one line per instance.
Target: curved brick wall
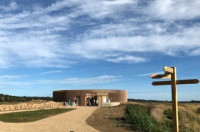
pixel 112 95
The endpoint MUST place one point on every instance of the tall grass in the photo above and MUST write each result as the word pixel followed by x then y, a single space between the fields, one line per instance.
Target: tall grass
pixel 188 122
pixel 141 120
pixel 198 111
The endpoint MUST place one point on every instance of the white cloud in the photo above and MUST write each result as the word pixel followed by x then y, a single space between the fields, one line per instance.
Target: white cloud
pixel 36 38
pixel 11 77
pixel 12 6
pixel 174 9
pixel 50 72
pixel 33 51
pixel 186 41
pixel 58 5
pixel 82 81
pixel 14 83
pixel 127 59
pixel 149 74
pixel 75 81
pixel 119 2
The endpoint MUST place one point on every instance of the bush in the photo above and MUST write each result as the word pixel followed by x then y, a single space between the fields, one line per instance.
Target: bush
pixel 168 113
pixel 198 110
pixel 141 120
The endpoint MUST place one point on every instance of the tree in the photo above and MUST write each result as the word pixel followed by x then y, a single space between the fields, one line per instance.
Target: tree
pixel 2 99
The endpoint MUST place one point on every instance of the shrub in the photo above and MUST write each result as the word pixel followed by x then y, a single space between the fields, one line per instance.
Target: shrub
pixel 168 113
pixel 198 110
pixel 141 120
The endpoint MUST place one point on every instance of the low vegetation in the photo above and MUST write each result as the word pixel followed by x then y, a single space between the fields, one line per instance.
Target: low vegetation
pixel 141 120
pixel 198 110
pixel 9 98
pixel 188 121
pixel 168 113
pixel 141 117
pixel 29 116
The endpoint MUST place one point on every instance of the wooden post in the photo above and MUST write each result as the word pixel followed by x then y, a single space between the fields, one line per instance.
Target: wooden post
pixel 170 73
pixel 174 101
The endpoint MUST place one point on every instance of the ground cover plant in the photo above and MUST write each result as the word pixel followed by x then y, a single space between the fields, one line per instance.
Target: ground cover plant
pixel 141 120
pixel 29 116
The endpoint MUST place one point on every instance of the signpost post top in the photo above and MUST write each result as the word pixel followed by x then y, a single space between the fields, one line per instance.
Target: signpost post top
pixel 168 69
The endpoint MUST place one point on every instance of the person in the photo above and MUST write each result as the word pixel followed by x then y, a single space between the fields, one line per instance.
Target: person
pixel 75 102
pixel 69 102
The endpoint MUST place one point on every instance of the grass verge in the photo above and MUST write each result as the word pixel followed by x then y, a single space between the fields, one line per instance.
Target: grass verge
pixel 30 116
pixel 141 120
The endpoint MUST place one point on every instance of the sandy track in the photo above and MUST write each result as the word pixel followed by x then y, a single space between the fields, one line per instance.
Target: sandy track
pixel 73 121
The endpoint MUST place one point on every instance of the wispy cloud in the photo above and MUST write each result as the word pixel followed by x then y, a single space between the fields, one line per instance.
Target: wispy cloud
pixel 75 81
pixel 83 81
pixel 127 59
pixel 11 77
pixel 50 36
pixel 149 74
pixel 50 72
pixel 165 9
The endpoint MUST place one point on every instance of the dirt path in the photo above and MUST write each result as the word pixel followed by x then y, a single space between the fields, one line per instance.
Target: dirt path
pixel 73 121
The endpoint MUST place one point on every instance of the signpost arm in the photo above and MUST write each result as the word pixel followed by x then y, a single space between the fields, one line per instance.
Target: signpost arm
pixel 174 101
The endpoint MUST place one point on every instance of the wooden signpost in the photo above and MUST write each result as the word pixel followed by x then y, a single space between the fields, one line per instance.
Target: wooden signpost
pixel 170 73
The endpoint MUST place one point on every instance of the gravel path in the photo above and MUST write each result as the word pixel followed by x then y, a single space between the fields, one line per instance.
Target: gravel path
pixel 73 121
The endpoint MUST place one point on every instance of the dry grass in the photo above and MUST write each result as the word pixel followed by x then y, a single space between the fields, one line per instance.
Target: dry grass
pixel 104 119
pixel 108 119
pixel 189 119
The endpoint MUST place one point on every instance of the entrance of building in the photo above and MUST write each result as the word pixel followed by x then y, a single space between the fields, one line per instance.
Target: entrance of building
pixel 78 100
pixel 92 101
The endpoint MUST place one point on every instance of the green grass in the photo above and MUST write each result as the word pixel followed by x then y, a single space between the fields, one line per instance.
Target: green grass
pixel 30 116
pixel 168 113
pixel 9 103
pixel 141 120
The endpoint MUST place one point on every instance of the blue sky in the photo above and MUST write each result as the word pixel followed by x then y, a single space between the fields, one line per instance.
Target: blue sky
pixel 90 44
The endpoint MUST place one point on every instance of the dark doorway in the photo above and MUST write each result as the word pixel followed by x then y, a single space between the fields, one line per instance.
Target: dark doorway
pixel 78 100
pixel 91 101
